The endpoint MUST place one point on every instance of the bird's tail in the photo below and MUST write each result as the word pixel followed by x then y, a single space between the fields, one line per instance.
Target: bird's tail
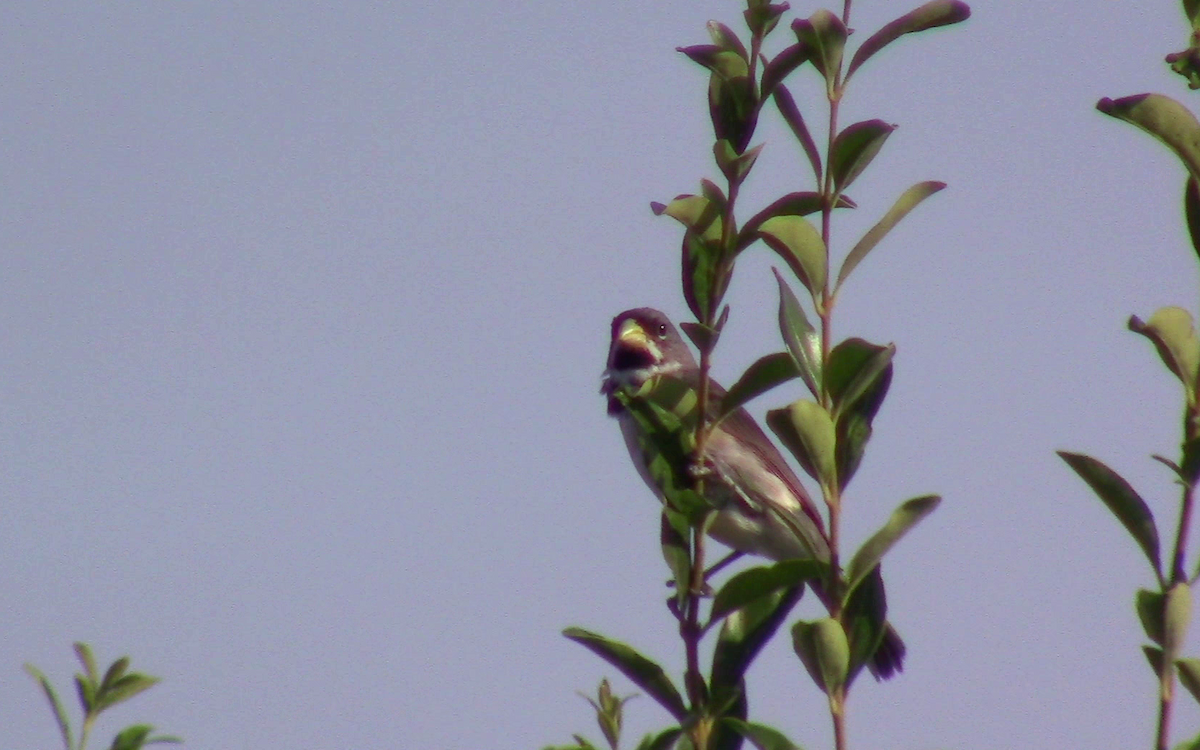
pixel 889 657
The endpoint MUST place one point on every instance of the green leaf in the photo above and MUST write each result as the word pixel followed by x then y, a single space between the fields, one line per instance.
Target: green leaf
pixel 761 17
pixel 696 212
pixel 781 66
pixel 1173 335
pixel 675 539
pixel 86 691
pixel 800 245
pixel 132 738
pixel 702 336
pixel 713 193
pixel 724 64
pixel 732 98
pixel 609 712
pixel 825 35
pixel 1189 472
pixel 792 204
pixel 761 736
pixel 802 340
pixel 791 115
pixel 60 713
pixel 115 672
pixel 751 585
pixel 855 369
pixel 723 37
pixel 706 275
pixel 807 430
pixel 733 108
pixel 858 387
pixel 905 203
pixel 909 514
pixel 1191 10
pixel 664 740
pixel 1189 675
pixel 1154 656
pixel 123 689
pixel 84 652
pixel 643 672
pixel 1149 606
pixel 928 16
pixel 1129 508
pixel 733 165
pixel 854 148
pixel 745 631
pixel 1177 616
pixel 1191 206
pixel 824 651
pixel 727 703
pixel 1192 744
pixel 1165 119
pixel 767 372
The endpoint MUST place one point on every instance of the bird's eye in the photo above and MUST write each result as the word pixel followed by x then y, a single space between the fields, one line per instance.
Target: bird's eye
pixel 662 329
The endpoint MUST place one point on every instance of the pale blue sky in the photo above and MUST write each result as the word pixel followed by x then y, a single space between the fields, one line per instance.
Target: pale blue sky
pixel 305 306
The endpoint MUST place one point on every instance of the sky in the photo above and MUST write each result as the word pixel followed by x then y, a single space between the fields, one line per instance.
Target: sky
pixel 304 308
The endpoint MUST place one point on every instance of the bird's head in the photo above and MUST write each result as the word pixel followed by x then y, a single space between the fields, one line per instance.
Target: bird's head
pixel 644 345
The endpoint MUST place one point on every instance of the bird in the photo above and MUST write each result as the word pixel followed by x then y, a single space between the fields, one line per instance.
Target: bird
pixel 761 506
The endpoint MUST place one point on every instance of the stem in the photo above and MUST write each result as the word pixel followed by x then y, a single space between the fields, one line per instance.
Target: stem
pixel 837 713
pixel 689 626
pixel 837 700
pixel 86 729
pixel 1185 520
pixel 1166 678
pixel 829 198
pixel 1166 689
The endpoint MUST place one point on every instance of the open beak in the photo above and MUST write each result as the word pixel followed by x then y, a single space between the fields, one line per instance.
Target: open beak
pixel 632 354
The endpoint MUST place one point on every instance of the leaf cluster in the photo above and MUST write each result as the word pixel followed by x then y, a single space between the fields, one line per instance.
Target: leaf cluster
pixel 98 693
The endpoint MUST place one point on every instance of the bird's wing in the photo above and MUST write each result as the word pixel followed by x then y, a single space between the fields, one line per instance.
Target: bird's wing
pixel 756 441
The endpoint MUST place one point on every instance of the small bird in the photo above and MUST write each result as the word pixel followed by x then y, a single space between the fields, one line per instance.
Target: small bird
pixel 761 506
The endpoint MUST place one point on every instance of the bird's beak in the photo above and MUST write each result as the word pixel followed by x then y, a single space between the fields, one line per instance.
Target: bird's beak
pixel 632 351
pixel 631 335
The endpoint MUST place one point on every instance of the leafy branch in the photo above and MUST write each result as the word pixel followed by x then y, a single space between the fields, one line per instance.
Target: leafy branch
pixel 827 434
pixel 97 693
pixel 1165 612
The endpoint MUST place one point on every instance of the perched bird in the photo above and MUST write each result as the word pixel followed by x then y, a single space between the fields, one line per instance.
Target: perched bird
pixel 761 506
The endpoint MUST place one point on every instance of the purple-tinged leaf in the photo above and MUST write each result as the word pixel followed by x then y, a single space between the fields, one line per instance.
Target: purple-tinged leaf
pixel 791 115
pixel 800 245
pixel 644 673
pixel 781 66
pixel 928 16
pixel 905 203
pixel 854 148
pixel 1165 119
pixel 825 35
pixel 1124 502
pixel 766 373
